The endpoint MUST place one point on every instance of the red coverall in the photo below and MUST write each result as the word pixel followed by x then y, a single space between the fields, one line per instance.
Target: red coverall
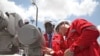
pixel 46 39
pixel 82 38
pixel 58 45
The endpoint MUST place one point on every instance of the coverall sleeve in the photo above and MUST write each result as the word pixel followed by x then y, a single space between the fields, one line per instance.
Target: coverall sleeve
pixel 59 47
pixel 87 37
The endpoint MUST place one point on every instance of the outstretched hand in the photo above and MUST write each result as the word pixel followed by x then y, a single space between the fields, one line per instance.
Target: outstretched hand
pixel 68 52
pixel 48 51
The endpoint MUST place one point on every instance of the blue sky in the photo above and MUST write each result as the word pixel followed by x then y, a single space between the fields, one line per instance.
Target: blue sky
pixel 55 10
pixel 24 3
pixel 94 17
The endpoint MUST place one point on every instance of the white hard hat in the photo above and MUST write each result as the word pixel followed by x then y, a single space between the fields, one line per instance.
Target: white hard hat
pixel 67 22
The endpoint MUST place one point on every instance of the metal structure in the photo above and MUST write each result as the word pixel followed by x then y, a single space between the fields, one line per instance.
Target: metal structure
pixel 33 2
pixel 30 38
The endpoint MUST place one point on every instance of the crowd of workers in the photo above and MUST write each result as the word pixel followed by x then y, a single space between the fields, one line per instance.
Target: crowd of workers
pixel 77 38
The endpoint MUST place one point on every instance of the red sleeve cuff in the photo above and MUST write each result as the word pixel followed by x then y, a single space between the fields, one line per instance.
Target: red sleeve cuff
pixel 74 48
pixel 60 53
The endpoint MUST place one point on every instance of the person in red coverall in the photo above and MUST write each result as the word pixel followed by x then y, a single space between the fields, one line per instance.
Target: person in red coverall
pixel 58 44
pixel 48 35
pixel 82 39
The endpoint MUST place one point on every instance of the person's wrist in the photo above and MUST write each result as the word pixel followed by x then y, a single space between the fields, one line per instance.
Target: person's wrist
pixel 52 52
